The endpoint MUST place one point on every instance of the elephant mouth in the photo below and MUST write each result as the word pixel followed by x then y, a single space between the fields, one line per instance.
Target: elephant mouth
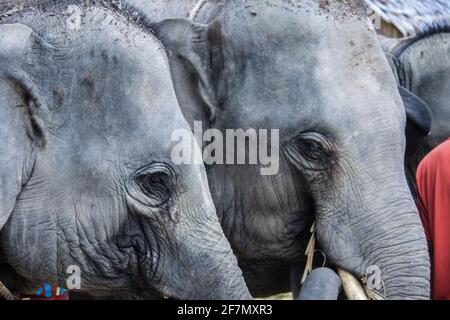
pixel 354 289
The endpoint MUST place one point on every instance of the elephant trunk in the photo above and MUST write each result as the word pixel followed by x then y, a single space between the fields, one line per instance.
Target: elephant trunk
pixel 214 272
pixel 214 269
pixel 378 237
pixel 185 254
pixel 401 254
pixel 221 278
pixel 199 264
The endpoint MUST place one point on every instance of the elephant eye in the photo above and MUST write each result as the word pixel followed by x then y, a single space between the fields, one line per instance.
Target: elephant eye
pixel 158 187
pixel 312 150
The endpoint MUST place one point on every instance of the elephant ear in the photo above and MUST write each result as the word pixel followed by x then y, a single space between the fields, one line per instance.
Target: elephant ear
pixel 419 120
pixel 393 63
pixel 417 111
pixel 196 61
pixel 17 131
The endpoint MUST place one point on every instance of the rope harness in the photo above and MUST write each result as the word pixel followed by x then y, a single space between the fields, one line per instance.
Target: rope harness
pixel 11 12
pixel 196 9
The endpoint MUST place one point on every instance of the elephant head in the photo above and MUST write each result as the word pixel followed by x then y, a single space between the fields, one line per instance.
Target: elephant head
pixel 421 68
pixel 316 72
pixel 88 108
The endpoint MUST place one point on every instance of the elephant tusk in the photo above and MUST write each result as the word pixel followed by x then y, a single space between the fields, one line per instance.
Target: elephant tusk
pixel 352 287
pixel 5 293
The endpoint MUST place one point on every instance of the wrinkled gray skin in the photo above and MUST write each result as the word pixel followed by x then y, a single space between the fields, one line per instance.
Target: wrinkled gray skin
pixel 320 76
pixel 86 175
pixel 422 66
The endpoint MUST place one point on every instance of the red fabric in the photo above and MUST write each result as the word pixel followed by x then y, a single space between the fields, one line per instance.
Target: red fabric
pixel 433 183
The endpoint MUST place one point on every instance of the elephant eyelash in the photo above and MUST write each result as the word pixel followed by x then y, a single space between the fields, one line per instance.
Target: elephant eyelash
pixel 156 182
pixel 314 151
pixel 159 187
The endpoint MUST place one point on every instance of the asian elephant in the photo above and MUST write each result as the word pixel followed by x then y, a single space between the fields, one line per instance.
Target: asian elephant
pixel 87 181
pixel 315 71
pixel 421 65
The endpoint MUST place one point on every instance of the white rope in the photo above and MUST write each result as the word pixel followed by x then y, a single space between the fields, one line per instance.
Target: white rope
pixel 309 253
pixel 197 7
pixel 5 293
pixel 11 12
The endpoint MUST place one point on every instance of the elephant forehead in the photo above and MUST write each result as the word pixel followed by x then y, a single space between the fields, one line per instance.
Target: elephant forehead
pixel 107 83
pixel 281 20
pixel 325 70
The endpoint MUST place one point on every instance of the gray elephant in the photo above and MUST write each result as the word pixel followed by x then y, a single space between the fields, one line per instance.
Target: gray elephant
pixel 87 182
pixel 315 71
pixel 421 65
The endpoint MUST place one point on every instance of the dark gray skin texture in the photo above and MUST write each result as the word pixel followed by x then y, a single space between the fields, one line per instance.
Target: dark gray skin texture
pixel 85 169
pixel 421 65
pixel 320 76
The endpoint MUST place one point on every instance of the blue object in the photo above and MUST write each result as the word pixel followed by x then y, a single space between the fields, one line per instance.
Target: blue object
pixel 321 284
